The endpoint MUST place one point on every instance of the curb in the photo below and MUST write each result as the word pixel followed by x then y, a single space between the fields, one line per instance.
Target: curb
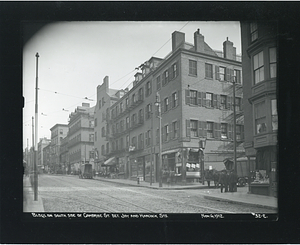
pixel 155 187
pixel 214 198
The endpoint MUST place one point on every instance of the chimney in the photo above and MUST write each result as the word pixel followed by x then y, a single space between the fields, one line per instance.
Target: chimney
pixel 228 50
pixel 199 41
pixel 178 38
pixel 106 83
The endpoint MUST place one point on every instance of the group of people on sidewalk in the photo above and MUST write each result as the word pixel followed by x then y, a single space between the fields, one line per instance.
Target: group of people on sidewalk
pixel 228 181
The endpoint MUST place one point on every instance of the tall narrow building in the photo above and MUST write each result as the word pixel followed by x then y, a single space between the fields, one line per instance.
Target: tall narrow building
pixel 259 48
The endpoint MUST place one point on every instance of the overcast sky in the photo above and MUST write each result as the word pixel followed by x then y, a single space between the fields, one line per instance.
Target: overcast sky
pixel 76 56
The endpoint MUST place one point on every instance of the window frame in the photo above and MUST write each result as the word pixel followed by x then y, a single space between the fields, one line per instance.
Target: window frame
pixel 273 63
pixel 260 69
pixel 208 72
pixel 253 31
pixel 193 67
pixel 194 128
pixel 224 133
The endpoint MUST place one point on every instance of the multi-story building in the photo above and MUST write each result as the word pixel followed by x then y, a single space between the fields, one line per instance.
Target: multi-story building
pixel 106 97
pixel 81 136
pixel 58 132
pixel 194 86
pixel 46 157
pixel 259 43
pixel 64 156
pixel 41 145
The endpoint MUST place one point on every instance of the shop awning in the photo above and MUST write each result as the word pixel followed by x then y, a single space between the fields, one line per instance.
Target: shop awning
pixel 109 162
pixel 170 151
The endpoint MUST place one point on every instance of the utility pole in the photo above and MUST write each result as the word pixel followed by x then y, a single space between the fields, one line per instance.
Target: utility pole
pixel 36 133
pixel 234 129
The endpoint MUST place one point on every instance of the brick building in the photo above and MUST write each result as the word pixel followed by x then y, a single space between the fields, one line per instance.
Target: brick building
pixel 41 145
pixel 81 136
pixel 194 84
pixel 58 132
pixel 259 42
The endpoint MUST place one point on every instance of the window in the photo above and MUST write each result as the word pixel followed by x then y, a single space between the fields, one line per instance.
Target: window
pixel 91 123
pixel 166 103
pixel 107 147
pixel 103 132
pixel 141 116
pixel 121 107
pixel 127 141
pixel 133 119
pixel 209 99
pixel 273 64
pixel 238 132
pixel 175 129
pixel 102 150
pixel 253 31
pixel 224 131
pixel 61 131
pixel 222 73
pixel 148 137
pixel 208 71
pixel 210 130
pixel 148 111
pixel 223 104
pixel 258 64
pixel 95 122
pixel 157 136
pixel 174 70
pixel 194 128
pixel 193 67
pixel 237 76
pixel 148 88
pixel 133 98
pixel 133 141
pixel 117 127
pixel 174 99
pixel 121 125
pixel 140 94
pixel 127 102
pixel 260 117
pixel 238 104
pixel 166 77
pixel 274 115
pixel 158 83
pixel 193 97
pixel 166 132
pixel 140 141
pixel 95 136
pixel 127 122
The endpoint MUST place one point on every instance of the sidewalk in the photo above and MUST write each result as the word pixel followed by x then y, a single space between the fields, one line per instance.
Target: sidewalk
pixel 241 196
pixel 29 205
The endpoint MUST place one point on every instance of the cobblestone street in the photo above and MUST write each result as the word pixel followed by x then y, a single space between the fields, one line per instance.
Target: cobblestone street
pixel 71 194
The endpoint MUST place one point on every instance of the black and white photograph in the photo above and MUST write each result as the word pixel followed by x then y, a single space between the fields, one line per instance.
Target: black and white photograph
pixel 145 119
pixel 149 122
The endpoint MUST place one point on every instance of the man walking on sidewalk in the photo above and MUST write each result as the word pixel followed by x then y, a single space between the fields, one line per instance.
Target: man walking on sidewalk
pixel 223 181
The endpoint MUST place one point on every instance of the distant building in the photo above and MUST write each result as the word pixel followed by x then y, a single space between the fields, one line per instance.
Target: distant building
pixel 259 43
pixel 194 84
pixel 81 136
pixel 58 132
pixel 64 156
pixel 46 158
pixel 41 145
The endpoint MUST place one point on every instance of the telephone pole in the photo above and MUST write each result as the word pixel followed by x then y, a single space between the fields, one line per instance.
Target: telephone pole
pixel 36 133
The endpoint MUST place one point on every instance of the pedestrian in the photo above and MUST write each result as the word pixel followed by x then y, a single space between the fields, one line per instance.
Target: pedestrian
pixel 230 181
pixel 234 181
pixel 168 178
pixel 222 177
pixel 226 181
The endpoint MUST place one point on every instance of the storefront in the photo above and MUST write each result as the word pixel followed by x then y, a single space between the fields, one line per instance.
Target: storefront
pixel 265 177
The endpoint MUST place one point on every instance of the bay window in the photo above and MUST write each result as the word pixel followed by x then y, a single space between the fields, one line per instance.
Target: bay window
pixel 260 117
pixel 258 65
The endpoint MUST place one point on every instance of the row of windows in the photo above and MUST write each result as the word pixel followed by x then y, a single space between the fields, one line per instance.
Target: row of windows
pixel 210 100
pixel 195 128
pixel 222 73
pixel 168 75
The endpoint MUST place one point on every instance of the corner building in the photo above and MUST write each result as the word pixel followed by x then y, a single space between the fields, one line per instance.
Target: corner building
pixel 194 86
pixel 259 44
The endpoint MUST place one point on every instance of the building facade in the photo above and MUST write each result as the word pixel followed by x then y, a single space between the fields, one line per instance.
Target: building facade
pixel 58 133
pixel 193 85
pixel 41 145
pixel 64 156
pixel 81 136
pixel 259 44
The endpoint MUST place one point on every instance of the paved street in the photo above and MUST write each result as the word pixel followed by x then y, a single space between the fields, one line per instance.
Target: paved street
pixel 71 194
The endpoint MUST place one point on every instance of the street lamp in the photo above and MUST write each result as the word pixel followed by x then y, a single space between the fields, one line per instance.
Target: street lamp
pixel 158 104
pixel 202 144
